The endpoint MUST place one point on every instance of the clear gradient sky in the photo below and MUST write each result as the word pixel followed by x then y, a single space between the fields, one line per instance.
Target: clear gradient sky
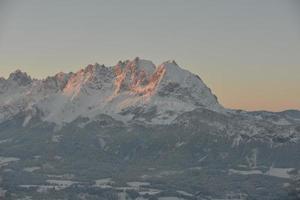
pixel 247 51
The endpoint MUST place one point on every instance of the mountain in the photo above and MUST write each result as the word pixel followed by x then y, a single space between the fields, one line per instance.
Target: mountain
pixel 130 90
pixel 139 131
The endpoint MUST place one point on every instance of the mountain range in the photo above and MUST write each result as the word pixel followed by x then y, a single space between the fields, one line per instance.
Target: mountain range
pixel 131 89
pixel 139 131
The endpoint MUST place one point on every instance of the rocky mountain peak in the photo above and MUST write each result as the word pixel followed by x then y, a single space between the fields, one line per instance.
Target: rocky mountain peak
pixel 133 75
pixel 21 78
pixel 57 82
pixel 135 89
pixel 93 68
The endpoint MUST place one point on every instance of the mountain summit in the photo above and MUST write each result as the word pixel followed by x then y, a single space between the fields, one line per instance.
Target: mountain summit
pixel 130 90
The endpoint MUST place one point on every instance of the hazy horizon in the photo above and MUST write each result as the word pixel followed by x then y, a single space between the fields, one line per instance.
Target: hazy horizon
pixel 246 52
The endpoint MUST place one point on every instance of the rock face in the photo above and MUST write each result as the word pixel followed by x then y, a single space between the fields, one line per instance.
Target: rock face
pixel 129 90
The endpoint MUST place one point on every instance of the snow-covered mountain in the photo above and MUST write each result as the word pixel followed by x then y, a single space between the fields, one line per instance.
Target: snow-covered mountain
pixel 139 131
pixel 134 89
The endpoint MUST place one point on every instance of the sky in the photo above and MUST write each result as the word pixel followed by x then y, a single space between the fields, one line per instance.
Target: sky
pixel 246 51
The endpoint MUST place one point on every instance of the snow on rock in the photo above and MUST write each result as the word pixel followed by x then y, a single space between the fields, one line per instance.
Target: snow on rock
pixel 186 86
pixel 138 184
pixel 170 198
pixel 61 184
pixel 31 169
pixel 185 193
pixel 131 90
pixel 279 172
pixel 275 172
pixel 6 160
pixel 104 183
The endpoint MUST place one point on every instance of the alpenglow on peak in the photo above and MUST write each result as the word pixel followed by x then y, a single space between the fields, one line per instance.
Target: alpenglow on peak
pixel 131 90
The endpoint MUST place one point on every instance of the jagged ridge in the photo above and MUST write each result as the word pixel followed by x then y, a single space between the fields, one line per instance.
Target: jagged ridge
pixel 118 91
